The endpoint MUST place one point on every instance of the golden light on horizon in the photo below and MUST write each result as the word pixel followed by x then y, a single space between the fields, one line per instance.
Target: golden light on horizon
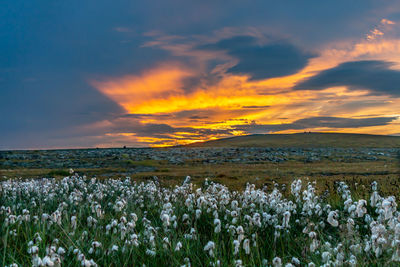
pixel 236 100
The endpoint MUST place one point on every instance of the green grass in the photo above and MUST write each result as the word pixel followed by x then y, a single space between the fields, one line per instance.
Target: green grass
pixel 144 163
pixel 58 173
pixel 292 242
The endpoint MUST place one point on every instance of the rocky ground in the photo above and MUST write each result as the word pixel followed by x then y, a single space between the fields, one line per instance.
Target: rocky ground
pixel 233 167
pixel 99 158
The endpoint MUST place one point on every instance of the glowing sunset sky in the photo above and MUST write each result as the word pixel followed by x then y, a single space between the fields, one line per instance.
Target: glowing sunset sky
pixel 154 73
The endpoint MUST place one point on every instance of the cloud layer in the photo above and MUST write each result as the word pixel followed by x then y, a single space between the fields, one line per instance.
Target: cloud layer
pixel 261 60
pixel 316 122
pixel 113 73
pixel 374 75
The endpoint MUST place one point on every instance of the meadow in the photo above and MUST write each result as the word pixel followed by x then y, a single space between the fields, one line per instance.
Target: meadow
pixel 240 207
pixel 84 221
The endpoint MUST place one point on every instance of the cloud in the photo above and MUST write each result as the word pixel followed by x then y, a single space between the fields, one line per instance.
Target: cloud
pixel 261 60
pixel 373 75
pixel 256 107
pixel 157 134
pixel 46 99
pixel 387 22
pixel 348 106
pixel 163 133
pixel 335 122
pixel 375 33
pixel 132 90
pixel 380 30
pixel 316 122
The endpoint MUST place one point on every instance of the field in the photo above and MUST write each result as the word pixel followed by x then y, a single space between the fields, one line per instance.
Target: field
pixel 118 222
pixel 257 159
pixel 247 203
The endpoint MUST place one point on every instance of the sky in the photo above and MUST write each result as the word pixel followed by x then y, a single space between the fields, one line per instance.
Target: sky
pixel 100 73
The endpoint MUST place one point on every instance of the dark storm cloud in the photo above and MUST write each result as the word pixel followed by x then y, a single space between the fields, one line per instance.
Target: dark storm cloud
pixel 262 61
pixel 373 75
pixel 316 122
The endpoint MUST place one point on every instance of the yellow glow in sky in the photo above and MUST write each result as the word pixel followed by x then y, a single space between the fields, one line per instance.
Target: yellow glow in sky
pixel 197 114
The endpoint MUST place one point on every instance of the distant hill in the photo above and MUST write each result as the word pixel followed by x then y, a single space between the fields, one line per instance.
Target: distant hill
pixel 343 140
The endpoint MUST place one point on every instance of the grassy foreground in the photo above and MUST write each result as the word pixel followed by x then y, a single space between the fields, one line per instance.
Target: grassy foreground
pixel 90 222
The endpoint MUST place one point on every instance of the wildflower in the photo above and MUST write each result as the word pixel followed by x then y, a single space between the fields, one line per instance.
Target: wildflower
pixel 166 243
pixel 361 208
pixel 47 261
pixel 187 180
pixel 33 250
pixel 389 206
pixel 150 252
pixel 217 223
pixel 352 261
pixel 396 255
pixel 96 244
pixel 88 263
pixel 178 246
pixel 37 261
pixel 326 256
pixel 240 232
pixel 236 246
pixel 375 198
pixel 185 217
pixel 246 246
pixel 165 220
pixel 61 251
pixel 296 188
pixel 277 262
pixel 256 219
pixel 198 213
pixel 374 186
pixel 238 263
pixel 73 222
pixel 295 261
pixel 350 225
pixel 187 262
pixel 210 248
pixel 286 218
pixel 134 217
pixel 332 218
pixel 134 239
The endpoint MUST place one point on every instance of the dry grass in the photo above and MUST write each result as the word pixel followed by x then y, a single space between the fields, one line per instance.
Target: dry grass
pixel 236 175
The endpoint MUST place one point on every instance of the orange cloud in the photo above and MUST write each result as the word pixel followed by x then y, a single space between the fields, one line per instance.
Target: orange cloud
pixel 222 105
pixel 132 91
